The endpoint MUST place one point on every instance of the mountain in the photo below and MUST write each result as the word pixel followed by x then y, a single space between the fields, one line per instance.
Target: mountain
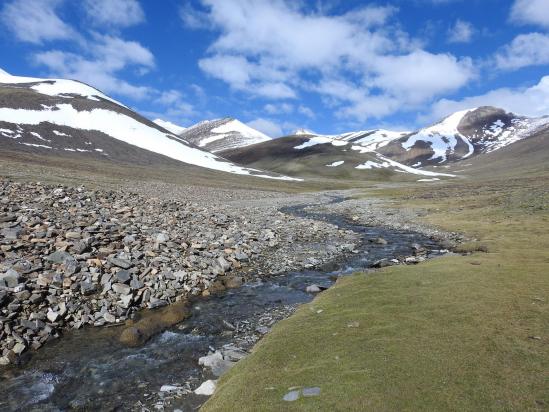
pixel 67 118
pixel 169 126
pixel 223 134
pixel 314 156
pixel 463 135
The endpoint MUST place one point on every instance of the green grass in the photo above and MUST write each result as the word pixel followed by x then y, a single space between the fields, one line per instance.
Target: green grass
pixel 455 333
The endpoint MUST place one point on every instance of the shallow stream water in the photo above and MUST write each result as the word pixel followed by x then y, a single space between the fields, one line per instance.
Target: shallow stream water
pixel 89 370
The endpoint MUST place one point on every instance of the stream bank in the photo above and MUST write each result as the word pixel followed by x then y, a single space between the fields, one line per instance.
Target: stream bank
pixel 89 367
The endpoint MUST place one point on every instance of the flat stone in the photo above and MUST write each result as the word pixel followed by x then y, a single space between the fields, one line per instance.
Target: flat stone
pixel 207 388
pixel 19 348
pixel 123 276
pixel 291 396
pixel 109 317
pixel 59 257
pixel 121 263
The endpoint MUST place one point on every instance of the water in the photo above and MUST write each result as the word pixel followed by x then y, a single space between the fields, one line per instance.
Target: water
pixel 88 369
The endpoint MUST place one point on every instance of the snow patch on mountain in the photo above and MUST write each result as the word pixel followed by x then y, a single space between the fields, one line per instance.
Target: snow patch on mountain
pixel 57 87
pixel 169 126
pixel 313 141
pixel 128 130
pixel 520 128
pixel 385 162
pixel 442 137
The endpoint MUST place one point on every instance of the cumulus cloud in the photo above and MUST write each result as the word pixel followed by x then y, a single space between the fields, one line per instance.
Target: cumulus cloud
pixel 105 57
pixel 525 50
pixel 530 101
pixel 276 50
pixel 115 13
pixel 461 32
pixel 35 21
pixel 534 12
pixel 266 126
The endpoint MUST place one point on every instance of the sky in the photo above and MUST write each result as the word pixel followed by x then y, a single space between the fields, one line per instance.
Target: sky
pixel 328 66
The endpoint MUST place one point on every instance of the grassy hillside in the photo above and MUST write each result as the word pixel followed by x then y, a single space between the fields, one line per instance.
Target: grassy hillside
pixel 463 333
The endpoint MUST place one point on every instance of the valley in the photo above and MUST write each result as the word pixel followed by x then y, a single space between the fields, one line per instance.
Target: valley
pixel 304 271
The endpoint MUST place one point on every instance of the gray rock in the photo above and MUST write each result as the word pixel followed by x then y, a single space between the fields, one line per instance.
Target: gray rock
pixel 313 289
pixel 19 348
pixel 156 303
pixel 9 279
pixel 52 315
pixel 109 317
pixel 123 276
pixel 121 288
pixel 136 283
pixel 12 233
pixel 60 257
pixel 121 263
pixel 223 264
pixel 87 288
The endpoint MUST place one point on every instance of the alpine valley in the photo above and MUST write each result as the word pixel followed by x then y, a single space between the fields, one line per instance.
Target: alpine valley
pixel 147 265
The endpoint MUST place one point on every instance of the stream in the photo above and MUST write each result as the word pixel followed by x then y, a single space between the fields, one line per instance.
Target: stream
pixel 89 369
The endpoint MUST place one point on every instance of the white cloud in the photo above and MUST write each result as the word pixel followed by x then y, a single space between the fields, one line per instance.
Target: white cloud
pixel 531 12
pixel 306 111
pixel 35 21
pixel 282 108
pixel 461 32
pixel 106 56
pixel 530 101
pixel 525 50
pixel 266 126
pixel 192 18
pixel 115 13
pixel 275 49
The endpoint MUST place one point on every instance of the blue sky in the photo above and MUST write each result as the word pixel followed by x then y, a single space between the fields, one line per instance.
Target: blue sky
pixel 278 65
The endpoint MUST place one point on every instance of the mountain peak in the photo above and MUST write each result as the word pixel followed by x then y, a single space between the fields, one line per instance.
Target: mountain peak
pixel 223 134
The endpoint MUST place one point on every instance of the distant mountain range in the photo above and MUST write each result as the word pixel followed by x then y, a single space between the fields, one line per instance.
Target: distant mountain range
pixel 69 118
pixel 462 135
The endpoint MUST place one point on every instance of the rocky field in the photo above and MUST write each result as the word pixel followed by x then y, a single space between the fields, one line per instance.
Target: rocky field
pixel 75 257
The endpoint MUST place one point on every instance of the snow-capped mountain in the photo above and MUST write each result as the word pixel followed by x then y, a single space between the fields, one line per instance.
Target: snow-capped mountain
pixel 367 140
pixel 223 134
pixel 325 157
pixel 66 117
pixel 169 126
pixel 462 135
